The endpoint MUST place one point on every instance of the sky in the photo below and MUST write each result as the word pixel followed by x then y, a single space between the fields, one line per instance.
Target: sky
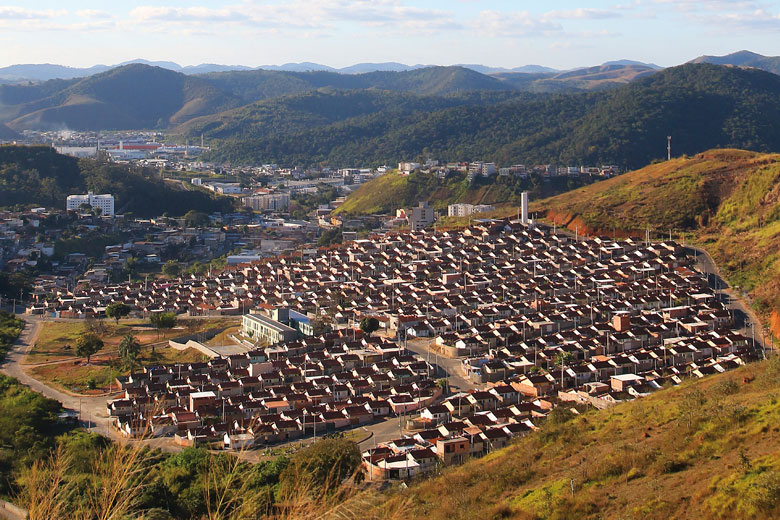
pixel 558 33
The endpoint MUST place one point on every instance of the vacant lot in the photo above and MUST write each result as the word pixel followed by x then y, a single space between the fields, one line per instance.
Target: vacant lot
pixel 98 376
pixel 57 339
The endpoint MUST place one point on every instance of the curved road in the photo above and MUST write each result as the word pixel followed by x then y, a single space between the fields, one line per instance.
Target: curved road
pixel 92 409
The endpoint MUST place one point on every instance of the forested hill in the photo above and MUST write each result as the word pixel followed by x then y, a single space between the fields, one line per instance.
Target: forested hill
pixel 294 114
pixel 701 106
pixel 140 96
pixel 37 175
pixel 131 97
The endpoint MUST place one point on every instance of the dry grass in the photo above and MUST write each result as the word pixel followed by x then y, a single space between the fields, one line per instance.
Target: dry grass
pixel 697 451
pixel 729 199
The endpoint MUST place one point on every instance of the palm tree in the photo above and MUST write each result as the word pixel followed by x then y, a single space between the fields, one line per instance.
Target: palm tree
pixel 129 348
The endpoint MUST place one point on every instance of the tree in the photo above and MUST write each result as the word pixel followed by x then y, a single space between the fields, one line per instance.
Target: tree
pixel 162 320
pixel 322 466
pixel 129 348
pixel 87 345
pixel 131 266
pixel 117 311
pixel 196 219
pixel 369 325
pixel 171 268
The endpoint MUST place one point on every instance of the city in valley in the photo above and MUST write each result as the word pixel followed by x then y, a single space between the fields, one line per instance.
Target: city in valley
pixel 427 347
pixel 355 260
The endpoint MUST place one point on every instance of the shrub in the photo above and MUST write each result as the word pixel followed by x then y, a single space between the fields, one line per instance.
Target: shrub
pixel 765 491
pixel 725 387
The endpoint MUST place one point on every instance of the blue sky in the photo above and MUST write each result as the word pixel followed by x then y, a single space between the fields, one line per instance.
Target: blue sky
pixel 561 34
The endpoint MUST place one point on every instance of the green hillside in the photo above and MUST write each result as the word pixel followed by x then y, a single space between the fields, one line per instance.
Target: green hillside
pixel 130 97
pixel 37 175
pixel 706 449
pixel 701 106
pixel 392 191
pixel 320 108
pixel 256 85
pixel 139 96
pixel 728 199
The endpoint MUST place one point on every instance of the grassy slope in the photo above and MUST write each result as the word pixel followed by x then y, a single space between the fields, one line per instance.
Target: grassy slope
pixel 729 198
pixel 707 449
pixel 393 191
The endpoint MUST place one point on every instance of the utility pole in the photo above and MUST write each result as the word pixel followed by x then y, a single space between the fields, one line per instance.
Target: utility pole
pixel 668 147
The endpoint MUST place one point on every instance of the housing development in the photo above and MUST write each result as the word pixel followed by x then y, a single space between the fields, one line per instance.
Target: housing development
pixel 539 320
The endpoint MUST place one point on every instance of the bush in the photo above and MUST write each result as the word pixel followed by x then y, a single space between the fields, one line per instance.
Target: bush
pixel 322 467
pixel 765 492
pixel 725 387
pixel 674 465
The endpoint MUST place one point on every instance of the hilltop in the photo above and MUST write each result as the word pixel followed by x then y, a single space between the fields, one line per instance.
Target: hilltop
pixel 604 76
pixel 701 106
pixel 393 190
pixel 320 108
pixel 706 449
pixel 744 59
pixel 130 97
pixel 728 199
pixel 38 175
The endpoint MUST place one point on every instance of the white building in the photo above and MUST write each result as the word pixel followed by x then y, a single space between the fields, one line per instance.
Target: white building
pixel 223 188
pixel 408 167
pixel 104 202
pixel 270 201
pixel 420 217
pixel 77 151
pixel 464 210
pixel 488 169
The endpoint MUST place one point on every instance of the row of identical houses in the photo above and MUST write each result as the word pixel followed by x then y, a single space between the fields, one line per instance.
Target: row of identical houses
pixel 266 396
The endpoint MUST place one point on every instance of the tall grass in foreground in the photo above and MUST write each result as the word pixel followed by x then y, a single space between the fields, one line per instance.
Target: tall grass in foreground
pixel 121 472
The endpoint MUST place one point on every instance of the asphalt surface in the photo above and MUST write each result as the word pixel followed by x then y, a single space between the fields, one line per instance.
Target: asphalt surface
pixel 92 410
pixel 749 323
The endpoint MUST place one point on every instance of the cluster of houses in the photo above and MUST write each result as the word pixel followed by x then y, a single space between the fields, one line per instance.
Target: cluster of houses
pixel 315 386
pixel 465 425
pixel 486 169
pixel 538 317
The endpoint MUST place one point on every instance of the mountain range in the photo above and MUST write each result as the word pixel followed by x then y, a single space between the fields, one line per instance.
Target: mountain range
pixel 616 113
pixel 701 106
pixel 140 96
pixel 46 71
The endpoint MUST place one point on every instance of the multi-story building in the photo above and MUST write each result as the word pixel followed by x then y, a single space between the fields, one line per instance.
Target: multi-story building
pixel 259 327
pixel 270 202
pixel 464 210
pixel 421 217
pixel 105 202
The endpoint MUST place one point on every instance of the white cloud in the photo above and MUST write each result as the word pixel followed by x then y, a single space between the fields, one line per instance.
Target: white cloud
pixel 93 14
pixel 261 16
pixel 9 12
pixel 516 24
pixel 581 13
pixel 186 14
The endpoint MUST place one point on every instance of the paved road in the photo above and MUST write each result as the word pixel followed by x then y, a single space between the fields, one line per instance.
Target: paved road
pixel 451 368
pixel 92 409
pixel 744 316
